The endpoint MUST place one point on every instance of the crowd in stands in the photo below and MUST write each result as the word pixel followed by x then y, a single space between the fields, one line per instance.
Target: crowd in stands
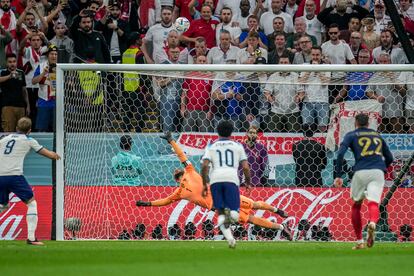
pixel 37 34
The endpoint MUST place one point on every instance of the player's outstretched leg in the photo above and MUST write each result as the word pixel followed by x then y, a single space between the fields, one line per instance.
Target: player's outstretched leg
pixel 262 222
pixel 357 225
pixel 373 211
pixel 31 218
pixel 226 230
pixel 261 205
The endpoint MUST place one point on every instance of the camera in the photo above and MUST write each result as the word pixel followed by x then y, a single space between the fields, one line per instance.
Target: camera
pixel 13 75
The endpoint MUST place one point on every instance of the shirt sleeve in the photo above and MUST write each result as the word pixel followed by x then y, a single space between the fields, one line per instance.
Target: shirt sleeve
pixel 207 155
pixel 35 145
pixel 37 71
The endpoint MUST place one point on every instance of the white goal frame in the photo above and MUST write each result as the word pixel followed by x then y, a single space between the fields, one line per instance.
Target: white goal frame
pixel 60 104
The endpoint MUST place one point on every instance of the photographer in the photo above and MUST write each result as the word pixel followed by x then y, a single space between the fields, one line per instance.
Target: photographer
pixel 13 94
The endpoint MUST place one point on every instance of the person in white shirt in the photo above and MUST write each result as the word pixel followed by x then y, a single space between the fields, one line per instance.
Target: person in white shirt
pixel 291 7
pixel 336 50
pixel 313 25
pixel 156 36
pixel 315 94
pixel 13 150
pixel 266 20
pixel 224 157
pixel 227 24
pixel 387 45
pixel 224 51
pixel 381 19
pixel 281 92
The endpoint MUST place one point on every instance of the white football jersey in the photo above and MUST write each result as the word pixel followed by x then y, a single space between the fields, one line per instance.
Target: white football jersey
pixel 225 156
pixel 13 150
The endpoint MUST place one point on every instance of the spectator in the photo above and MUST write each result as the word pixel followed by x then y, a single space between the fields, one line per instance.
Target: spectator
pixel 227 24
pixel 5 39
pixel 407 88
pixel 232 4
pixel 181 9
pixel 357 89
pixel 200 49
pixel 407 8
pixel 45 76
pixel 355 43
pixel 257 157
pixel 227 99
pixel 249 54
pixel 115 31
pixel 244 15
pixel 136 89
pixel 386 45
pixel 32 56
pixel 300 30
pixel 381 19
pixel 89 45
pixel 390 98
pixel 339 15
pixel 172 42
pixel 30 25
pixel 337 51
pixel 310 159
pixel 253 26
pixel 205 27
pixel 266 19
pixel 156 36
pixel 315 95
pixel 197 15
pixel 290 7
pixel 195 102
pixel 281 92
pixel 170 90
pixel 354 25
pixel 63 43
pixel 280 50
pixel 304 56
pixel 313 26
pixel 225 51
pixel 14 98
pixel 278 28
pixel 8 21
pixel 370 38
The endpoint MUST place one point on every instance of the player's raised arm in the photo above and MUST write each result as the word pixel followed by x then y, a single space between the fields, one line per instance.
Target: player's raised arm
pixel 49 154
pixel 180 153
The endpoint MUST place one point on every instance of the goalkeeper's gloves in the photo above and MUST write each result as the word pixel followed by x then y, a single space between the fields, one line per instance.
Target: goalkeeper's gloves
pixel 282 213
pixel 143 203
pixel 167 136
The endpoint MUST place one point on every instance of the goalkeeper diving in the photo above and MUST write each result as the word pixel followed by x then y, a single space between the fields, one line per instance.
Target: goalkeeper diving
pixel 191 187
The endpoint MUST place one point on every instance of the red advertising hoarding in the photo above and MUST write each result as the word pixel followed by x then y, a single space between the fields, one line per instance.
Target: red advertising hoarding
pixel 106 211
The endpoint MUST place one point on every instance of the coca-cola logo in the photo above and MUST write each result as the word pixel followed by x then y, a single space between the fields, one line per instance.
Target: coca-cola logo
pixel 10 222
pixel 303 203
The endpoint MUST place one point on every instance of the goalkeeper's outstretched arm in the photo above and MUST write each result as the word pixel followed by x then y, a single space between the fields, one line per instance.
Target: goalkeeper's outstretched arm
pixel 161 202
pixel 180 153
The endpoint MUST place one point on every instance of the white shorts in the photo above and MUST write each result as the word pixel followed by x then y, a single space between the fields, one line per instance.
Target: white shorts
pixel 367 184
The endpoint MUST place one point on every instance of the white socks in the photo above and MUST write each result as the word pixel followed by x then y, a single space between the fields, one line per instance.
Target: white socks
pixel 226 231
pixel 31 219
pixel 234 216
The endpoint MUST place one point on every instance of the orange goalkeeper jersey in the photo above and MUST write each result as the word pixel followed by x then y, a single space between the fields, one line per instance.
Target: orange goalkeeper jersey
pixel 191 188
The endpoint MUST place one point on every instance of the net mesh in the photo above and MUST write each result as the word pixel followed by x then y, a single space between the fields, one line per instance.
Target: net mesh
pixel 114 155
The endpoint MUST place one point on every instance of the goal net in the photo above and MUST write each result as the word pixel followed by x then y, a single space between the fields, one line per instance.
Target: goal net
pixel 291 120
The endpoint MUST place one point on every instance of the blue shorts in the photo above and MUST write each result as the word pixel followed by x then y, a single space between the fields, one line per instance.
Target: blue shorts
pixel 16 184
pixel 225 195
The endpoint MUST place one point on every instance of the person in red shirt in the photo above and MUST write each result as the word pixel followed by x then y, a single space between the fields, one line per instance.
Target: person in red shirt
pixel 195 101
pixel 204 27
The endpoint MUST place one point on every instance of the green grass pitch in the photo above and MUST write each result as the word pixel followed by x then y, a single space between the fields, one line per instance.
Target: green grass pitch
pixel 148 258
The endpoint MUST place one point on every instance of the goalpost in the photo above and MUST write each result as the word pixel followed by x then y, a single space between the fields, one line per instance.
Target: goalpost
pixel 98 104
